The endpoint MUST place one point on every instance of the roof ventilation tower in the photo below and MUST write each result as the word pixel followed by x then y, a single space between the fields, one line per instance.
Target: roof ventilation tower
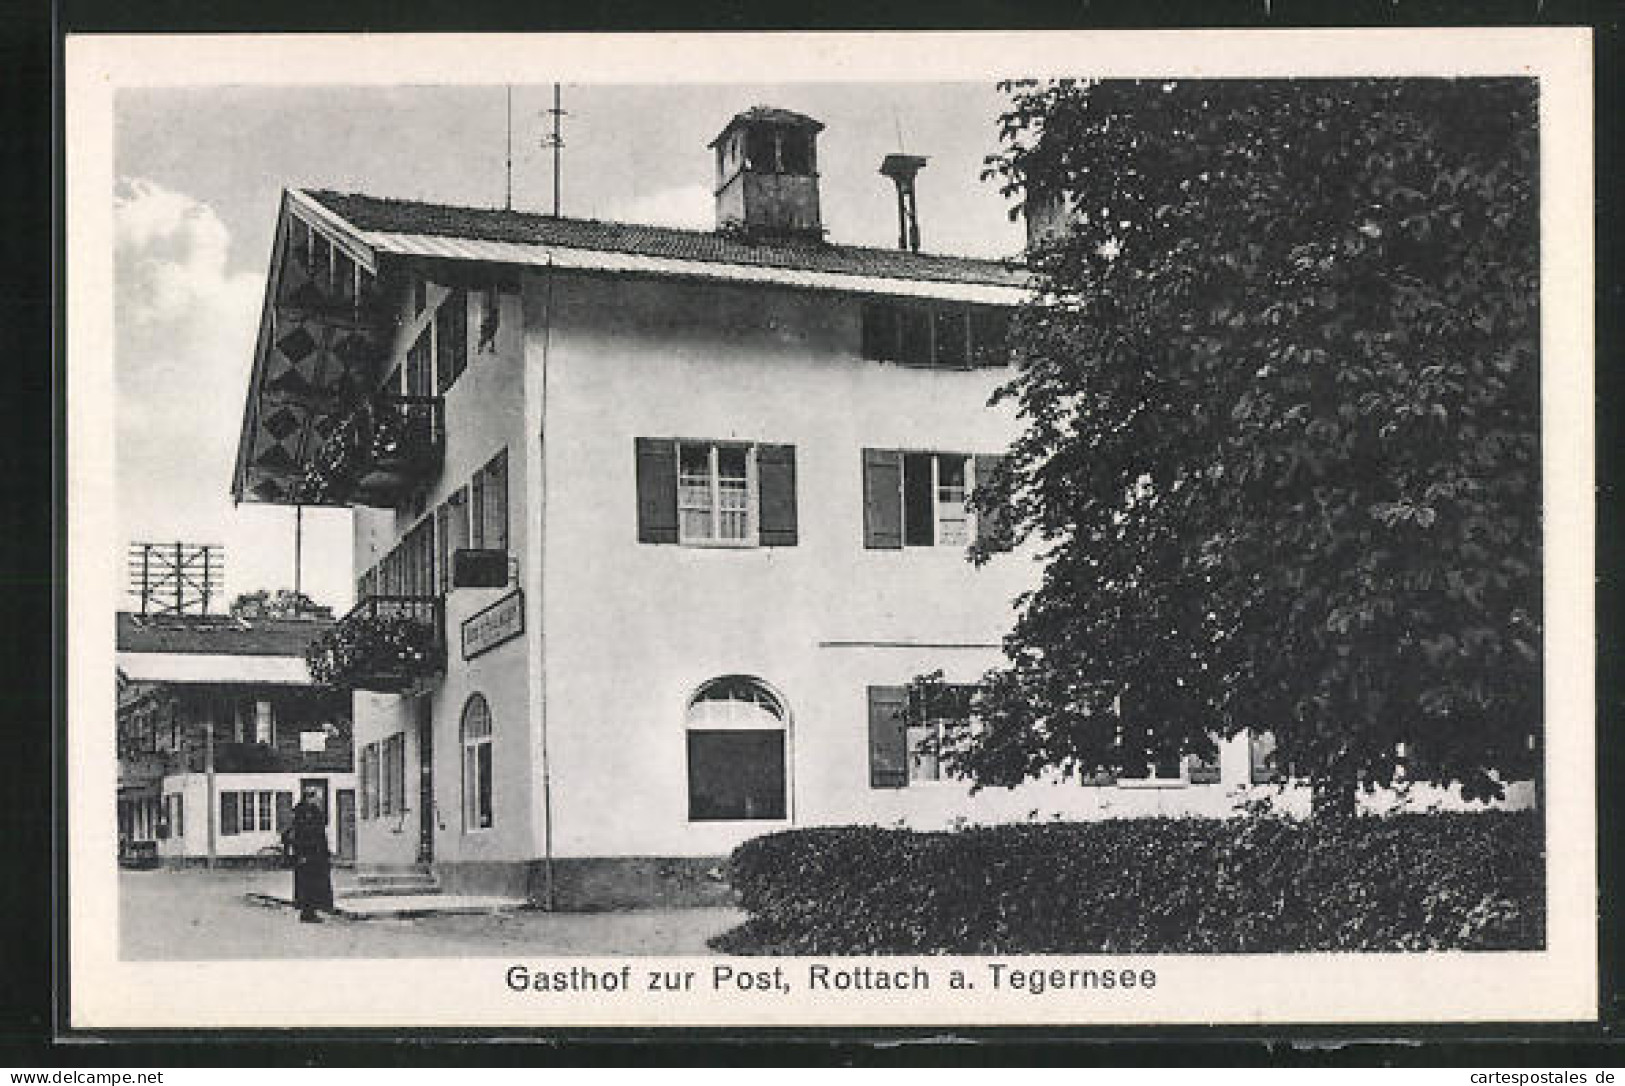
pixel 902 170
pixel 767 175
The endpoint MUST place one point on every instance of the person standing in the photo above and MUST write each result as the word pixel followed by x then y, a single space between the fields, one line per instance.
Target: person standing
pixel 306 841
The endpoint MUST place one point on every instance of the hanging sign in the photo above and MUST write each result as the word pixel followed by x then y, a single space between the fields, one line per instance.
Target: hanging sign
pixel 503 621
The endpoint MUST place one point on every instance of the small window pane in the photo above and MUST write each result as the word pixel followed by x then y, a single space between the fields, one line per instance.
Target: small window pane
pixel 694 491
pixel 733 494
pixel 952 517
pixel 918 500
pixel 731 462
pixel 483 783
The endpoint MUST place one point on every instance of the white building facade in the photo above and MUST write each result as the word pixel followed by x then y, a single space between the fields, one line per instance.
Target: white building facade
pixel 685 516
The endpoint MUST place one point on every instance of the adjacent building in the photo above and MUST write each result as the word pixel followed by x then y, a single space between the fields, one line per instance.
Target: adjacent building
pixel 220 730
pixel 653 526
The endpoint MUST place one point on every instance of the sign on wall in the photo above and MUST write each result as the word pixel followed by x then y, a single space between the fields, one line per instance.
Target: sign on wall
pixel 503 621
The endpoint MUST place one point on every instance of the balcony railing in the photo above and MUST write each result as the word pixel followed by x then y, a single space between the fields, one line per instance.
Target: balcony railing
pixel 379 451
pixel 387 644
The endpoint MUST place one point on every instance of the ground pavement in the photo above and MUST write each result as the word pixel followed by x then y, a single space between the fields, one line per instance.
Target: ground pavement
pixel 197 915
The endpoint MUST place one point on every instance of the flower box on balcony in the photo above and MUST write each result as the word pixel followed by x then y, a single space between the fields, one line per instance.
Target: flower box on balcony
pixel 387 644
pixel 378 451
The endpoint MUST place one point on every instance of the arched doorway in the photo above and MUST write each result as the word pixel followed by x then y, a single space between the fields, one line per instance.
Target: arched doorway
pixel 737 752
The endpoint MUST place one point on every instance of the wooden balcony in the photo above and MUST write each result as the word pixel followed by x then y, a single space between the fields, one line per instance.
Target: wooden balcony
pixel 387 644
pixel 378 453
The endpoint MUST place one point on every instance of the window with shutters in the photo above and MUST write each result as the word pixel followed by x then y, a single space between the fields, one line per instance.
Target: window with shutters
pixel 477 769
pixel 922 499
pixel 411 568
pixel 940 335
pixel 1165 771
pixel 716 493
pixel 736 752
pixel 488 519
pixel 243 812
pixel 1164 768
pixel 907 735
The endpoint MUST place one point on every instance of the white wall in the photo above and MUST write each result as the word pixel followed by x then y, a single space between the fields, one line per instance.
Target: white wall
pixel 484 412
pixel 194 788
pixel 634 629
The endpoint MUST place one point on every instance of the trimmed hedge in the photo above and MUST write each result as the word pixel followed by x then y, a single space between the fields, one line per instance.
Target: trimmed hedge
pixel 1244 885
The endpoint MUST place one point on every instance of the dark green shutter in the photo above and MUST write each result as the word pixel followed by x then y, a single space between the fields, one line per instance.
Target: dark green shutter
pixel 1204 771
pixel 228 814
pixel 1261 751
pixel 776 473
pixel 657 490
pixel 284 810
pixel 888 737
pixel 992 529
pixel 882 499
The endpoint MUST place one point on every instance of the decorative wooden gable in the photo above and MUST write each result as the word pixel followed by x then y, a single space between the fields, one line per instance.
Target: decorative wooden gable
pixel 324 334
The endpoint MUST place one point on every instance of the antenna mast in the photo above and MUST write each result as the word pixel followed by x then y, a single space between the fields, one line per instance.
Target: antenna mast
pixel 507 163
pixel 555 140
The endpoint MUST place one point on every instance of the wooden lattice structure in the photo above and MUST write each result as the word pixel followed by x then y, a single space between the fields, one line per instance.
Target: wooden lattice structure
pixel 176 578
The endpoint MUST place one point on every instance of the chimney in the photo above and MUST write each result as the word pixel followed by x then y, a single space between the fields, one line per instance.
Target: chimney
pixel 902 170
pixel 767 175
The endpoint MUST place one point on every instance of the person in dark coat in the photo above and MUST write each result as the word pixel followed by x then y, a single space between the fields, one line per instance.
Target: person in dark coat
pixel 306 841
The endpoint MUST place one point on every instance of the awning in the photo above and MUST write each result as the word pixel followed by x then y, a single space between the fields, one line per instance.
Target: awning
pixel 178 667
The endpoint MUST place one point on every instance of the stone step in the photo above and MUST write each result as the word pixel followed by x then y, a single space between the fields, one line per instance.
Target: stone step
pixel 388 884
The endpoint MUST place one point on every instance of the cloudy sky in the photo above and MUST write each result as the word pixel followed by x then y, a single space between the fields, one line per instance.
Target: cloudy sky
pixel 199 171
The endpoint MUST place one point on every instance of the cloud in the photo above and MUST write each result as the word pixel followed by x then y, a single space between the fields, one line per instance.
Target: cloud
pixel 184 331
pixel 184 325
pixel 691 207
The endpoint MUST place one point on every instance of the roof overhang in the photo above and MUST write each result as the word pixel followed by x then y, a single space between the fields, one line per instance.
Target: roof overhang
pixel 184 667
pixel 525 254
pixel 309 358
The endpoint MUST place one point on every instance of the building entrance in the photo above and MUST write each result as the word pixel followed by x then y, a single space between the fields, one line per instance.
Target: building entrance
pixel 426 809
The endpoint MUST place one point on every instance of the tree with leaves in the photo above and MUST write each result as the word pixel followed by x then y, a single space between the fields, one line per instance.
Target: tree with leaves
pixel 1281 448
pixel 283 603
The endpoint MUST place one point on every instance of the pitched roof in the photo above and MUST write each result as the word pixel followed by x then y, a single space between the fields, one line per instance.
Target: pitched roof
pixel 216 635
pixel 377 215
pixel 770 115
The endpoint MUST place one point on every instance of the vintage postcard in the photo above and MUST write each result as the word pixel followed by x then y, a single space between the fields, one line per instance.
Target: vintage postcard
pixel 861 530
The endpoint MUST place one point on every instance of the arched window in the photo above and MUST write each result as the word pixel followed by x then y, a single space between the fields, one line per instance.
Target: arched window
pixel 476 731
pixel 736 752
